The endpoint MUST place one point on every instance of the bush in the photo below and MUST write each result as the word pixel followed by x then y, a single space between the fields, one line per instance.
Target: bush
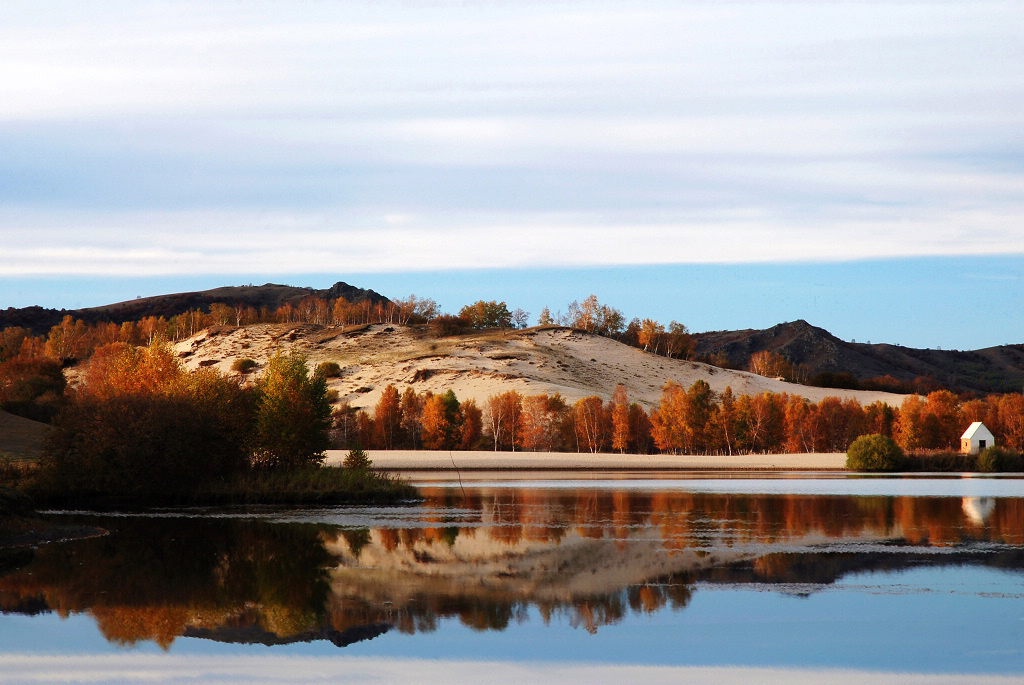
pixel 446 325
pixel 874 453
pixel 997 459
pixel 328 369
pixel 243 365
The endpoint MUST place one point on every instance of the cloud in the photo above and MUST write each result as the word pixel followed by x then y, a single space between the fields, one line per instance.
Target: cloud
pixel 225 242
pixel 504 134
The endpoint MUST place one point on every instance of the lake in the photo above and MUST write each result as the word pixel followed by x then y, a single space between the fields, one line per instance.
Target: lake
pixel 575 578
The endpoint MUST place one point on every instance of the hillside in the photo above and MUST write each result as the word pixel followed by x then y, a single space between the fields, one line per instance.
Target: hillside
pixel 994 369
pixel 21 439
pixel 39 320
pixel 480 364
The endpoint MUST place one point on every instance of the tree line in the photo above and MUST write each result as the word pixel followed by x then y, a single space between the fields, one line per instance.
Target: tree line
pixel 73 339
pixel 693 420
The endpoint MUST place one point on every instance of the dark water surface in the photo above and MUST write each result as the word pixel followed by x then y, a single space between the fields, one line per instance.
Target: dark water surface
pixel 736 579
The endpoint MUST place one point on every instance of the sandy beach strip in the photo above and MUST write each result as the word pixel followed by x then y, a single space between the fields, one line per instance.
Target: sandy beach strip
pixel 422 460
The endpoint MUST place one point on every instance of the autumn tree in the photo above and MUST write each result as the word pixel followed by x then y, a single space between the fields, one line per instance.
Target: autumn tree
pixel 543 422
pixel 471 417
pixel 68 340
pixel 442 421
pixel 1011 420
pixel 483 314
pixel 770 364
pixel 641 440
pixel 725 420
pixel 32 387
pixel 668 419
pixel 621 436
pixel 503 417
pixel 592 423
pixel 11 339
pixel 411 408
pixel 387 418
pixel 699 419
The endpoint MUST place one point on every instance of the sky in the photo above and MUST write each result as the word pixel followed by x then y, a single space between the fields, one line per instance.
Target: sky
pixel 736 164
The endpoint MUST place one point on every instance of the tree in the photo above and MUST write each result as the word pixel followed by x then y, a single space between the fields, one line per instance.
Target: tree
pixel 770 364
pixel 699 419
pixel 441 422
pixel 504 418
pixel 357 459
pixel 346 424
pixel 472 424
pixel 545 317
pixel 412 415
pixel 725 421
pixel 668 419
pixel 483 314
pixel 621 436
pixel 32 387
pixel 650 335
pixel 679 342
pixel 293 416
pixel 520 318
pixel 593 425
pixel 387 418
pixel 68 339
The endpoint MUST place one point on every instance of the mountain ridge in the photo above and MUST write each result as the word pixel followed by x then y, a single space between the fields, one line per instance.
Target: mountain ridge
pixel 992 369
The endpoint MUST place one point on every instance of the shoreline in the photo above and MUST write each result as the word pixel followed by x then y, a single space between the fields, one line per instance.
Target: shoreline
pixel 430 460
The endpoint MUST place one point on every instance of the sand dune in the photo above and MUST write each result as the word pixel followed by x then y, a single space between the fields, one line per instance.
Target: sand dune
pixel 478 365
pixel 484 460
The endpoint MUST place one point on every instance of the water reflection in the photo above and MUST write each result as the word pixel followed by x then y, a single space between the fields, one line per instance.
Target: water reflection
pixel 488 557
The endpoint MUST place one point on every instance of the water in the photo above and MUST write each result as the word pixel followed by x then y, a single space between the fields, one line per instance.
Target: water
pixel 586 579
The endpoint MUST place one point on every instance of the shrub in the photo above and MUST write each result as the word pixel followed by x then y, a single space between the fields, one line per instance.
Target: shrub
pixel 328 369
pixel 874 453
pixel 997 459
pixel 357 458
pixel 446 325
pixel 243 365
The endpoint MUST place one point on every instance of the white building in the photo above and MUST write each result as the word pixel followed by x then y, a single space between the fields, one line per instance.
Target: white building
pixel 976 438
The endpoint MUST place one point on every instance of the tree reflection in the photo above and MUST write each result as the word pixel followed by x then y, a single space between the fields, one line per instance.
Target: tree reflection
pixel 588 558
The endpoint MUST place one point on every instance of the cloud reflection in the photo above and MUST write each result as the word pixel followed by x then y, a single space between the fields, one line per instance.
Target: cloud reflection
pixel 172 668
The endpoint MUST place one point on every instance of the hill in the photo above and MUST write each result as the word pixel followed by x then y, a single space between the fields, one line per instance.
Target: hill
pixel 21 439
pixel 271 296
pixel 994 369
pixel 480 364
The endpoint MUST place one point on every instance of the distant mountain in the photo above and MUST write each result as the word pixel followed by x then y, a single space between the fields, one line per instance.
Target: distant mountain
pixel 39 320
pixel 993 369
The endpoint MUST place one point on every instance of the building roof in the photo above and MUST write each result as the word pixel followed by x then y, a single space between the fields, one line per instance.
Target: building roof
pixel 977 429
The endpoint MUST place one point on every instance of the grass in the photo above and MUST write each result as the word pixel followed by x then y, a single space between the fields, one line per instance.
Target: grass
pixel 313 485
